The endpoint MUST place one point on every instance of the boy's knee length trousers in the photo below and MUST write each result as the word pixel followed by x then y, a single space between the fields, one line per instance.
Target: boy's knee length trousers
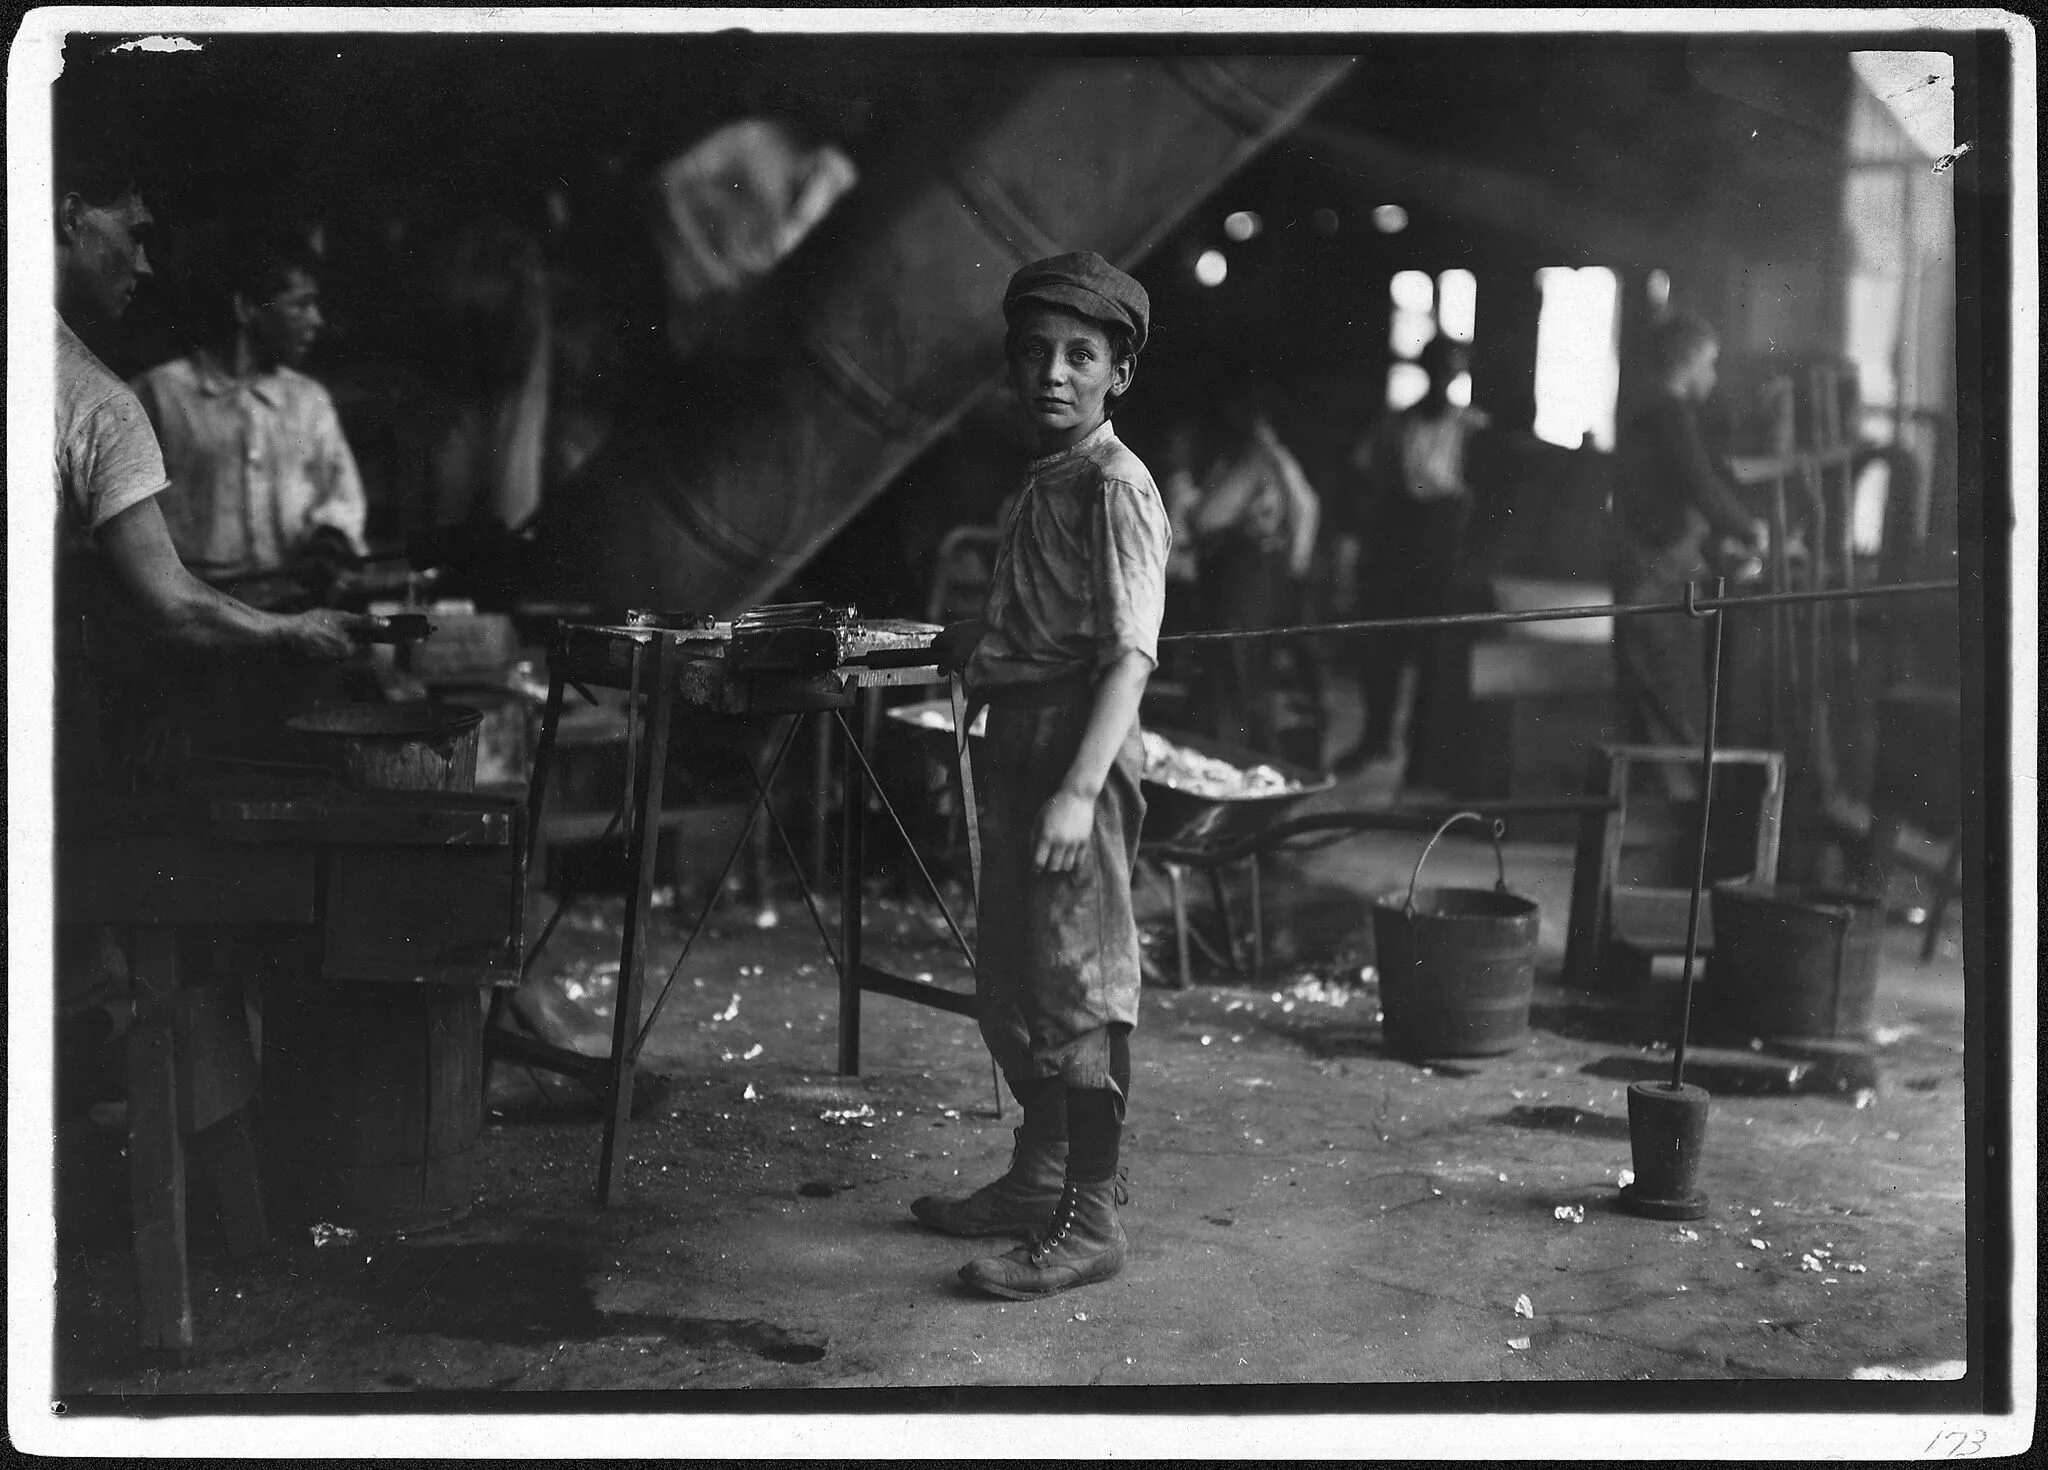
pixel 1058 952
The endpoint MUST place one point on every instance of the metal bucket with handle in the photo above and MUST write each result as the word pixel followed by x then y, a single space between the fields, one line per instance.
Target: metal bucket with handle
pixel 1457 965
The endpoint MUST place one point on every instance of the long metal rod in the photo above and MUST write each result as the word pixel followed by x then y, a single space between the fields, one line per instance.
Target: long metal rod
pixel 647 773
pixel 1699 875
pixel 718 888
pixel 795 864
pixel 874 782
pixel 1563 614
pixel 567 901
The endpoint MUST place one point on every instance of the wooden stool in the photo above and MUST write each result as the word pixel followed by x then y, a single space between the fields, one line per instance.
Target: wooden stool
pixel 1648 920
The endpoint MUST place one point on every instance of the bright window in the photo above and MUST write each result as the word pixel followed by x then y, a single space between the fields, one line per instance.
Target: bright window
pixel 1423 309
pixel 1406 383
pixel 1457 304
pixel 1578 362
pixel 1413 291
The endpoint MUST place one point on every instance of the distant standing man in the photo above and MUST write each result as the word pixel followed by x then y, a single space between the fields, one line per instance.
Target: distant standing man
pixel 261 475
pixel 1418 505
pixel 1669 497
pixel 1255 525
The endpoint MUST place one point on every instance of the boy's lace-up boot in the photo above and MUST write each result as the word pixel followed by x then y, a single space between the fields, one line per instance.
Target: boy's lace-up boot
pixel 1084 1242
pixel 1015 1204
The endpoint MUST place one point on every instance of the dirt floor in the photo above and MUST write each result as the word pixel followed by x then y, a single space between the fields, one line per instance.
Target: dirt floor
pixel 1306 1208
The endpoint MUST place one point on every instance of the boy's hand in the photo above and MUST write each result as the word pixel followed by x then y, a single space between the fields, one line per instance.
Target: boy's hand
pixel 1064 829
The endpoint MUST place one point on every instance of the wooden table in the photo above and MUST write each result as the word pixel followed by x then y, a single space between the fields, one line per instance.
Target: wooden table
pixel 660 669
pixel 260 853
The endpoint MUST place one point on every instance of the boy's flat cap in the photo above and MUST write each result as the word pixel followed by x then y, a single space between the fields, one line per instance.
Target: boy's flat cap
pixel 1085 283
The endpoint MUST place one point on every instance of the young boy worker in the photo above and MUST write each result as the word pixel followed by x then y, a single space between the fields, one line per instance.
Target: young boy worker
pixel 1061 658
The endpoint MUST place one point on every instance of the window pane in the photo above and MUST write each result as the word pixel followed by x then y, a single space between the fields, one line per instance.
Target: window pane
pixel 1578 369
pixel 1406 383
pixel 1866 517
pixel 1409 331
pixel 1457 304
pixel 1413 291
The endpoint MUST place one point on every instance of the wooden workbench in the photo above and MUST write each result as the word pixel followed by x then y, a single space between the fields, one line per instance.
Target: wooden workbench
pixel 270 853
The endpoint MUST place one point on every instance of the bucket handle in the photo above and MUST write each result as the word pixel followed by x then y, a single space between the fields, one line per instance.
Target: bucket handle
pixel 1500 862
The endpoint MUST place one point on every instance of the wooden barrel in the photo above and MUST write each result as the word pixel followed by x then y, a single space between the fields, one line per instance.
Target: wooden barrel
pixel 374 1091
pixel 374 1102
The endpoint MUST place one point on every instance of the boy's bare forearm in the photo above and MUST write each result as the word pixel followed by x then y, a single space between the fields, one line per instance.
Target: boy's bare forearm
pixel 1117 696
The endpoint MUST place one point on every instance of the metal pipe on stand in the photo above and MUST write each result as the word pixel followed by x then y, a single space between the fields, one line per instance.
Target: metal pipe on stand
pixel 1699 877
pixel 1668 1124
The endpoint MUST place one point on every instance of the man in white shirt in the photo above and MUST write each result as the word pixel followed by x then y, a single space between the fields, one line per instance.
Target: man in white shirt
pixel 261 475
pixel 1412 465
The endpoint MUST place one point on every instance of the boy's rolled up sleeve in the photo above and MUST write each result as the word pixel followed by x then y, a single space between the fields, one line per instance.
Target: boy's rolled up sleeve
pixel 1134 539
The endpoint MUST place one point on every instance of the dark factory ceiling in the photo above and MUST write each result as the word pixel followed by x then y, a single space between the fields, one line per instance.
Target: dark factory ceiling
pixel 1639 128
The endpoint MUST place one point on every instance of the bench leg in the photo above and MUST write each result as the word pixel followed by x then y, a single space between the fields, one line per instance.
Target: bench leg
pixel 1222 898
pixel 226 1155
pixel 156 1155
pixel 1258 926
pixel 1177 881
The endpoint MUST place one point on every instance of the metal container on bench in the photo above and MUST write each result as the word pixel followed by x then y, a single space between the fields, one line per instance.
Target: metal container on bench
pixel 1457 965
pixel 397 747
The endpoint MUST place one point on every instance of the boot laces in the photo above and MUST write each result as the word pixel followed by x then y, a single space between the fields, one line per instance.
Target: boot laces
pixel 1056 1230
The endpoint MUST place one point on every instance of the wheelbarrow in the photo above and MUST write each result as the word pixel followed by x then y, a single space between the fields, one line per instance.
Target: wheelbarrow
pixel 1183 828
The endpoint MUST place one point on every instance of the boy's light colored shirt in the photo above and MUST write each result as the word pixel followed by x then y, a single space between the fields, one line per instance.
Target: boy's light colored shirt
pixel 1080 573
pixel 256 465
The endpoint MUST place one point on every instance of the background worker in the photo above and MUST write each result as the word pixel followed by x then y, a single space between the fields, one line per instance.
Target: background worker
pixel 261 474
pixel 1070 637
pixel 1255 528
pixel 1416 508
pixel 1670 500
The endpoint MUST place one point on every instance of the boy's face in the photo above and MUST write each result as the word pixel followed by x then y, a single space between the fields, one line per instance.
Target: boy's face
pixel 1062 373
pixel 283 328
pixel 1701 372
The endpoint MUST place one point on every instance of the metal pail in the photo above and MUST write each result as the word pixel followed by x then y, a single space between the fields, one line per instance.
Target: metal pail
pixel 1457 965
